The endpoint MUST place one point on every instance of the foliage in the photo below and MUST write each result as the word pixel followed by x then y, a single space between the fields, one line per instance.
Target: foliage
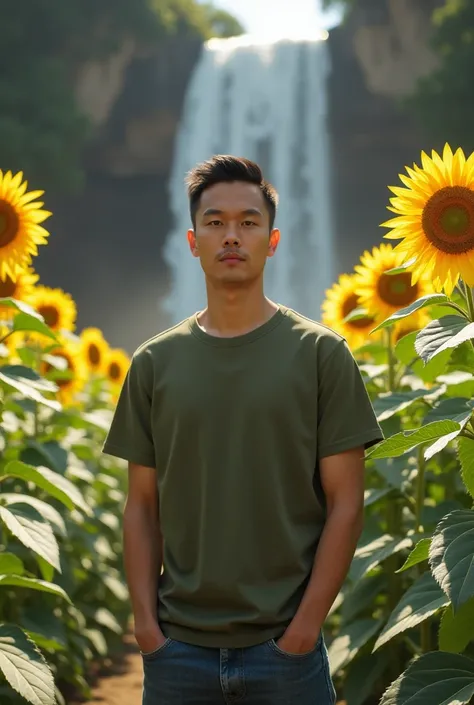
pixel 443 101
pixel 42 130
pixel 403 625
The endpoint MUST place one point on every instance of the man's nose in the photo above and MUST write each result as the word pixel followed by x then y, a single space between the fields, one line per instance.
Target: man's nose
pixel 231 238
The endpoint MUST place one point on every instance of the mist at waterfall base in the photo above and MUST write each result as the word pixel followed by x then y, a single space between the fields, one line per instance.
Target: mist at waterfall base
pixel 265 101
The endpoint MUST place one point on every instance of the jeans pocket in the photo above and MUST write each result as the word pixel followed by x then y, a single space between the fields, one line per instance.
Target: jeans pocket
pixel 296 657
pixel 150 655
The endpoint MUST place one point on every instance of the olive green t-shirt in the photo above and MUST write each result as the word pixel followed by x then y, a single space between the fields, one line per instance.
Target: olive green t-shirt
pixel 235 428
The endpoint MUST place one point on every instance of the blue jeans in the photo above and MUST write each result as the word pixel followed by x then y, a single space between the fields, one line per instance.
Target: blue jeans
pixel 182 674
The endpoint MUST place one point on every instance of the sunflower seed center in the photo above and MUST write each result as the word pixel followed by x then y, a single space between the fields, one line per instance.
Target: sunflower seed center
pixel 396 289
pixel 114 371
pixel 7 288
pixel 349 305
pixel 94 354
pixel 9 223
pixel 50 315
pixel 448 220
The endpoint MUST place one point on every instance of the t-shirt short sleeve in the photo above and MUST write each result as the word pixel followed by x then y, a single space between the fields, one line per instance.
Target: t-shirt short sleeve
pixel 346 418
pixel 130 436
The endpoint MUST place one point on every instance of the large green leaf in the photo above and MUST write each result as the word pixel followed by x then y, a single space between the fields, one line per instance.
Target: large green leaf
pixel 428 300
pixel 442 334
pixel 372 495
pixel 51 482
pixel 452 556
pixel 10 563
pixel 116 586
pixel 363 594
pixel 371 554
pixel 408 440
pixel 421 600
pixel 34 584
pixel 350 641
pixel 22 307
pixel 390 403
pixel 27 322
pixel 24 667
pixel 25 387
pixel 419 554
pixel 29 473
pixel 29 376
pixel 47 511
pixel 397 472
pixel 362 676
pixel 25 522
pixel 106 619
pixel 457 630
pixel 457 409
pixel 49 454
pixel 437 678
pixel 466 456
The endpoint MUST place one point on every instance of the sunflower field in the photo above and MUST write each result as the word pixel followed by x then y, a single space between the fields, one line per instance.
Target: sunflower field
pixel 402 629
pixel 401 632
pixel 63 598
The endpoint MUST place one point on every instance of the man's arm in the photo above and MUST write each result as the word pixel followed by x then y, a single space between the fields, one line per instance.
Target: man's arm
pixel 342 478
pixel 143 553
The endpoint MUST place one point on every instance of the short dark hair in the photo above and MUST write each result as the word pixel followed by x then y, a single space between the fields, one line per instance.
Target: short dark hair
pixel 226 168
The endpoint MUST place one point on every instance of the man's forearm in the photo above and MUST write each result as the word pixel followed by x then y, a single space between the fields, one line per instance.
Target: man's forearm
pixel 331 565
pixel 143 559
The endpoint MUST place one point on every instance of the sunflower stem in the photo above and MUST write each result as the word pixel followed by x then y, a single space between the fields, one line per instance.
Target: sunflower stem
pixel 470 301
pixel 391 359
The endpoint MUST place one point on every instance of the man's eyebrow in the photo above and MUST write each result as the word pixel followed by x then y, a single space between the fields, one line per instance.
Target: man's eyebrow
pixel 247 211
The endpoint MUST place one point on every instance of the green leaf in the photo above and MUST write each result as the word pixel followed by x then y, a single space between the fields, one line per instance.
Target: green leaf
pixel 27 322
pixel 362 594
pixel 29 376
pixel 408 440
pixel 51 482
pixel 107 619
pixel 28 391
pixel 362 676
pixel 421 600
pixel 372 495
pixel 50 454
pixel 350 641
pixel 21 306
pixel 454 408
pixel 32 531
pixel 356 315
pixel 24 667
pixel 452 556
pixel 97 640
pixel 45 628
pixel 442 334
pixel 47 511
pixel 397 472
pixel 466 456
pixel 437 678
pixel 116 586
pixel 457 630
pixel 371 554
pixel 34 584
pixel 10 563
pixel 402 268
pixel 404 349
pixel 389 403
pixel 428 300
pixel 419 554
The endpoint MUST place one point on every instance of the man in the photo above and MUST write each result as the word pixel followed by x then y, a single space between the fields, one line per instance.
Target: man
pixel 244 427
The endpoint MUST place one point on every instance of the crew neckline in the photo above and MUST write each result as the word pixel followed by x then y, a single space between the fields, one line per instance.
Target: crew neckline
pixel 237 340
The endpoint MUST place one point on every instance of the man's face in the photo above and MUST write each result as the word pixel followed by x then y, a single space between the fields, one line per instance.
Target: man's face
pixel 232 236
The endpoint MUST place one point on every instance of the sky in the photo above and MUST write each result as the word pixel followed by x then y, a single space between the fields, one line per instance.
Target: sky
pixel 278 19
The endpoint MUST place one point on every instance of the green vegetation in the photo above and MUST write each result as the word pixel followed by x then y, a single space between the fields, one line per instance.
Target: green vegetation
pixel 42 44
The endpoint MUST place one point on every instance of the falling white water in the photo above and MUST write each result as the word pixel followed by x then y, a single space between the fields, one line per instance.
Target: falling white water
pixel 265 101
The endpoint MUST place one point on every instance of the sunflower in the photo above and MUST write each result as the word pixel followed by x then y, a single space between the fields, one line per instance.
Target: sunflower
pixel 340 301
pixel 19 289
pixel 20 229
pixel 383 294
pixel 116 367
pixel 94 349
pixel 435 218
pixel 73 377
pixel 57 308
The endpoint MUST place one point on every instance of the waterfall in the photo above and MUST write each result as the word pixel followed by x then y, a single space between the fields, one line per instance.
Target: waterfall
pixel 265 101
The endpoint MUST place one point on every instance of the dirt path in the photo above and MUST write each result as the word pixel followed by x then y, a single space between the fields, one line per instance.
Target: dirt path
pixel 123 683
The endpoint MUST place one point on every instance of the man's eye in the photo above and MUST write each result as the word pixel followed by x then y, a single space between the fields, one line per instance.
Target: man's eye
pixel 248 223
pixel 215 222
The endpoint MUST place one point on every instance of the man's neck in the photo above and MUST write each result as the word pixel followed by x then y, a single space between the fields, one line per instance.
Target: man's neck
pixel 232 313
